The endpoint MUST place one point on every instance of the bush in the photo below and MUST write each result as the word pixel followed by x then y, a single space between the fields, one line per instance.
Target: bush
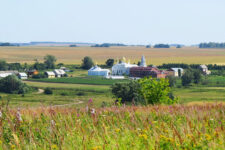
pixel 80 94
pixel 127 92
pixel 156 91
pixel 48 91
pixel 11 84
pixel 38 76
pixel 172 81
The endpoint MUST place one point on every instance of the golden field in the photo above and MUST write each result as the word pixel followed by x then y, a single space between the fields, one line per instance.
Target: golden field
pixel 154 56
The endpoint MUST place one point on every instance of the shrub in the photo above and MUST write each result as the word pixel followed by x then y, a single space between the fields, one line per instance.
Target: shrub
pixel 48 91
pixel 172 81
pixel 38 76
pixel 187 78
pixel 11 84
pixel 80 94
pixel 127 92
pixel 155 91
pixel 87 63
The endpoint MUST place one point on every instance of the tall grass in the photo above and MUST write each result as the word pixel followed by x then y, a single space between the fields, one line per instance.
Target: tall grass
pixel 131 127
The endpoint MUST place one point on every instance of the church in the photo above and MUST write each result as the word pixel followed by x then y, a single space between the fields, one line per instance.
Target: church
pixel 123 68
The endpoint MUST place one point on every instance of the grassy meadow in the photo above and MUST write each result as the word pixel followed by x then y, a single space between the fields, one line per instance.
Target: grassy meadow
pixel 154 56
pixel 128 127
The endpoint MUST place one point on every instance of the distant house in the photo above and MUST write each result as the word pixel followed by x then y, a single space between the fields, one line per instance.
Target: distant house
pixel 97 71
pixel 59 73
pixel 175 72
pixel 22 76
pixel 140 72
pixel 50 74
pixel 204 69
pixel 30 73
pixel 3 75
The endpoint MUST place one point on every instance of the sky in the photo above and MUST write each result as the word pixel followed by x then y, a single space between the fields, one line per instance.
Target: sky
pixel 113 21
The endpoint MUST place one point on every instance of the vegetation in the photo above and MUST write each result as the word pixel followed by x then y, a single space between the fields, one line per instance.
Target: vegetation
pixel 48 91
pixel 149 127
pixel 49 61
pixel 161 46
pixel 11 84
pixel 109 62
pixel 212 45
pixel 87 63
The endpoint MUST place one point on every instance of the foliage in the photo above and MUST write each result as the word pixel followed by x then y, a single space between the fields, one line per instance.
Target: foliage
pixel 11 84
pixel 49 61
pixel 39 66
pixel 73 45
pixel 212 45
pixel 3 65
pixel 87 63
pixel 161 46
pixel 127 92
pixel 155 91
pixel 197 76
pixel 148 46
pixel 172 81
pixel 39 76
pixel 109 62
pixel 48 91
pixel 187 77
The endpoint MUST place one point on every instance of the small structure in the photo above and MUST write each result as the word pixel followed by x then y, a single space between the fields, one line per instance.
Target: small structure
pixel 176 72
pixel 22 76
pixel 140 72
pixel 204 69
pixel 97 71
pixel 50 74
pixel 143 62
pixel 59 73
pixel 32 72
pixel 4 74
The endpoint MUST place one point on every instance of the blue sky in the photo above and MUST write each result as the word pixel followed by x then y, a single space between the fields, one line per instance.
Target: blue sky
pixel 115 21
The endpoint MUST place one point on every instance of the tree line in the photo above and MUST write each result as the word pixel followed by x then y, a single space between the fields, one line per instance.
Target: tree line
pixel 192 66
pixel 212 45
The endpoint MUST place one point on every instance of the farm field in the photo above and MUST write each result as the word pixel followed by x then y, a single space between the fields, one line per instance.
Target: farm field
pixel 131 127
pixel 154 56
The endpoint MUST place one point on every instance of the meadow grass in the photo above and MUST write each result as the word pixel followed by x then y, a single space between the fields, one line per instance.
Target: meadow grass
pixel 82 80
pixel 127 127
pixel 68 55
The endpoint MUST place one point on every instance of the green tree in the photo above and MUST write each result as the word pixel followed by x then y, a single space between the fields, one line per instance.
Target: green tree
pixel 87 62
pixel 110 62
pixel 197 76
pixel 172 81
pixel 155 91
pixel 187 78
pixel 3 65
pixel 11 84
pixel 127 92
pixel 49 61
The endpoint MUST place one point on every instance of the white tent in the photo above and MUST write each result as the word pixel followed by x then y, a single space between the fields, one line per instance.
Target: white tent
pixel 97 71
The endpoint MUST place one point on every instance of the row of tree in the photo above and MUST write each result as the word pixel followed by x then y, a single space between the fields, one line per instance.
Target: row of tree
pixel 212 45
pixel 191 66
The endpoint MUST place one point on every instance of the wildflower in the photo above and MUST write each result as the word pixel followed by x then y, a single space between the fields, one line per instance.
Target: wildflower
pixel 87 108
pixel 92 111
pixel 96 148
pixel 54 146
pixel 52 122
pixel 0 114
pixel 117 130
pixel 144 136
pixel 208 137
pixel 13 146
pixel 18 115
pixel 0 142
pixel 90 101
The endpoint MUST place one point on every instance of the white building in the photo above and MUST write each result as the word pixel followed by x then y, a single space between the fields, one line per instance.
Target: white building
pixel 50 74
pixel 122 68
pixel 22 76
pixel 204 69
pixel 3 75
pixel 59 73
pixel 97 71
pixel 176 71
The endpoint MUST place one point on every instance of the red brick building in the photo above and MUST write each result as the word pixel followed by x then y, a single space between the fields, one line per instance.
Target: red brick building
pixel 141 72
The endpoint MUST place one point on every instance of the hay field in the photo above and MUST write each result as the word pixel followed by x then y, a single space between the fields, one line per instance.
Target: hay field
pixel 70 55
